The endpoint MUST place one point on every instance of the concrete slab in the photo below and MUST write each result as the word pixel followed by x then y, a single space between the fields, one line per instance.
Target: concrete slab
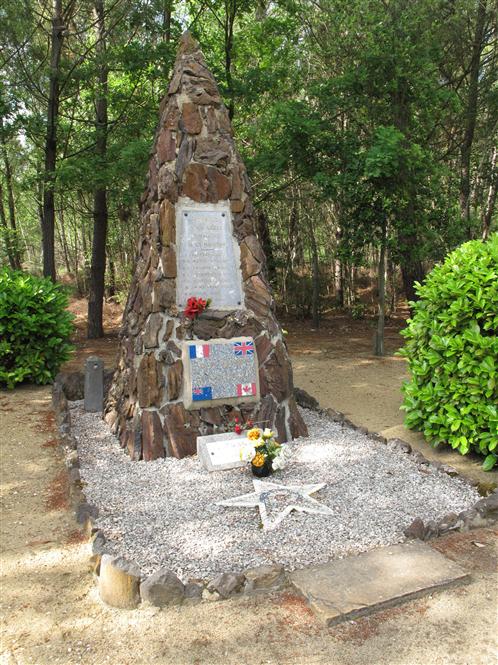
pixel 359 585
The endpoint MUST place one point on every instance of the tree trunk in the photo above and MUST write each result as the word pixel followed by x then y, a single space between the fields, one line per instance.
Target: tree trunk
pixel 97 271
pixel 6 232
pixel 265 239
pixel 261 11
pixel 491 199
pixel 48 221
pixel 379 335
pixel 288 270
pixel 338 270
pixel 112 277
pixel 230 14
pixel 336 266
pixel 391 281
pixel 167 20
pixel 348 284
pixel 60 228
pixel 411 266
pixel 411 273
pixel 471 114
pixel 315 278
pixel 12 236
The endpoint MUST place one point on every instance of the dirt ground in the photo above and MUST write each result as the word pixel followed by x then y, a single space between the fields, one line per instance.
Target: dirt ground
pixel 51 612
pixel 106 347
pixel 50 609
pixel 336 365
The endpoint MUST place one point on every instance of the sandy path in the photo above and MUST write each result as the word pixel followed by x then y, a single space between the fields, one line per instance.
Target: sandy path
pixel 51 614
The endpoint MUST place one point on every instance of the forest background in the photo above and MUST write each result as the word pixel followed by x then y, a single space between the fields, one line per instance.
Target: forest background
pixel 368 127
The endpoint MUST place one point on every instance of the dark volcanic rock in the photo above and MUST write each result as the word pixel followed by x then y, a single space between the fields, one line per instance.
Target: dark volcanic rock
pixel 152 436
pixel 162 588
pixel 194 162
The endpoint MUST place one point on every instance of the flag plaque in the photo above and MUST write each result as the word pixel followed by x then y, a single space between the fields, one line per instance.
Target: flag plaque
pixel 220 371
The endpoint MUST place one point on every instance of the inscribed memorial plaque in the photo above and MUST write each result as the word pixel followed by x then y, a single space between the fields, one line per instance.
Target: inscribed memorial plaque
pixel 208 257
pixel 220 370
pixel 218 452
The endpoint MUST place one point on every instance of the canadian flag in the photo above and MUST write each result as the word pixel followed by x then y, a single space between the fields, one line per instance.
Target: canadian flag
pixel 245 389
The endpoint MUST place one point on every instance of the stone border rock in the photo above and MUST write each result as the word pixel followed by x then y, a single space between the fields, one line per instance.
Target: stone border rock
pixel 121 583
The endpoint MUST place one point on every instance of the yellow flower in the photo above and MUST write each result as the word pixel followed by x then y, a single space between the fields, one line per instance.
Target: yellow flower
pixel 259 443
pixel 268 434
pixel 253 434
pixel 258 459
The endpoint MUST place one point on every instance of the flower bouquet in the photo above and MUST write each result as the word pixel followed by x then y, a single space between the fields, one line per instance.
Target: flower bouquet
pixel 264 452
pixel 195 306
pixel 238 427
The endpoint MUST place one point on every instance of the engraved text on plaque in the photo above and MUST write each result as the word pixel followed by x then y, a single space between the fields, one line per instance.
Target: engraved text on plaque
pixel 208 258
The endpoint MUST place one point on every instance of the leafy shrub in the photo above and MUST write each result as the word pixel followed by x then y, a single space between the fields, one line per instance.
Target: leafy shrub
pixel 34 328
pixel 452 350
pixel 358 311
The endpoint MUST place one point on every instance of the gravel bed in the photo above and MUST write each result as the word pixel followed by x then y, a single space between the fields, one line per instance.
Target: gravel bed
pixel 163 513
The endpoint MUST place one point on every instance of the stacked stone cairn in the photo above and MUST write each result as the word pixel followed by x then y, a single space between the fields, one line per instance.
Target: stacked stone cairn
pixel 194 161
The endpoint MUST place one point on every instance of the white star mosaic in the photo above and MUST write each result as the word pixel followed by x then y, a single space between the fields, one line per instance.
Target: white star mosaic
pixel 276 501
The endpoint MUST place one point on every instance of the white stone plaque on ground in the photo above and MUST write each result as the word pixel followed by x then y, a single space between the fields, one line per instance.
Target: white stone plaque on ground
pixel 218 452
pixel 208 255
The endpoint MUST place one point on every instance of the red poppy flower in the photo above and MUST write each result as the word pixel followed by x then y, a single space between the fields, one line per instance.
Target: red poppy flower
pixel 195 306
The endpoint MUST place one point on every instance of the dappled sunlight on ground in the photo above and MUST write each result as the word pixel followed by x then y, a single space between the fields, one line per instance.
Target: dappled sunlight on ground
pixel 343 374
pixel 51 613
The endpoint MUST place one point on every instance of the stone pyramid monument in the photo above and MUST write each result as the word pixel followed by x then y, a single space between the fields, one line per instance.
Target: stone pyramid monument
pixel 179 377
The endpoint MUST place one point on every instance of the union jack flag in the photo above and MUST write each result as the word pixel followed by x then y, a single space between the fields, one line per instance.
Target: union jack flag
pixel 243 348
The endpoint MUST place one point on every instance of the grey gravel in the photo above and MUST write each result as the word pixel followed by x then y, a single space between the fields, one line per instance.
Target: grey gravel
pixel 163 513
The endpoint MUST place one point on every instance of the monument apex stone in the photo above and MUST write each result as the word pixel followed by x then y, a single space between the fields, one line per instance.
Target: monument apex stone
pixel 197 239
pixel 191 118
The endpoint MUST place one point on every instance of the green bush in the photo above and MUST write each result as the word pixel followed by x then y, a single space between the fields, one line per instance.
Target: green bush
pixel 452 350
pixel 358 310
pixel 34 328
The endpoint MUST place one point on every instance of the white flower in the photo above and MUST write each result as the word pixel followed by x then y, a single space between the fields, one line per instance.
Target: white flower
pixel 278 462
pixel 280 459
pixel 247 452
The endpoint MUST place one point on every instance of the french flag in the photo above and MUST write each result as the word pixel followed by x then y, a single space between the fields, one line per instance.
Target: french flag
pixel 199 350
